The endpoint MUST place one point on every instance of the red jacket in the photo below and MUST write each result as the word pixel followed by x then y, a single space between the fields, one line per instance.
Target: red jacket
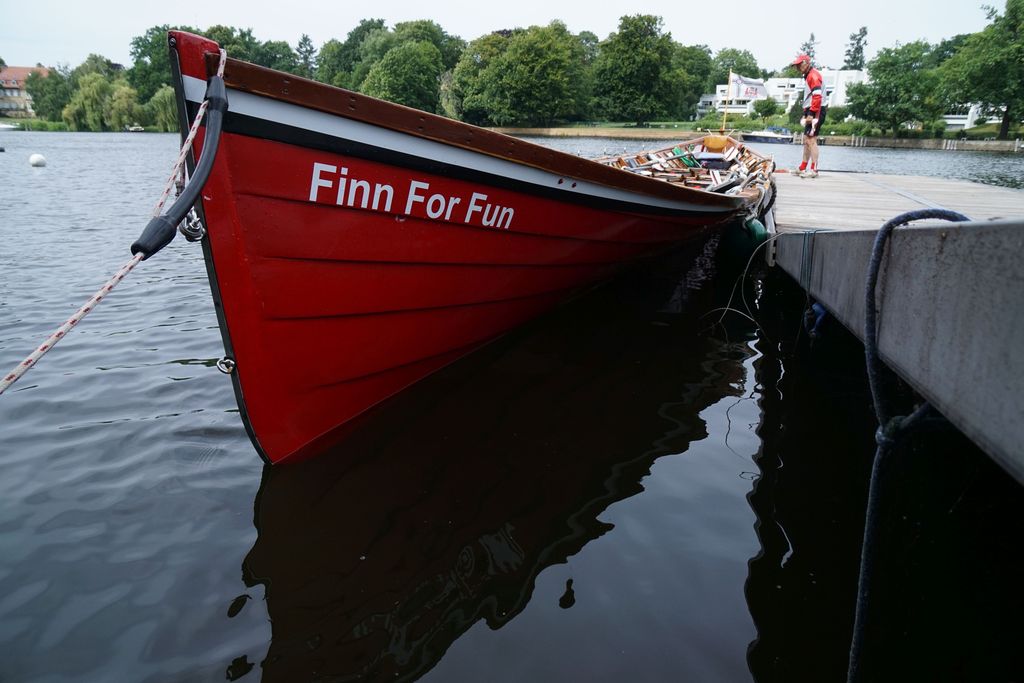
pixel 814 92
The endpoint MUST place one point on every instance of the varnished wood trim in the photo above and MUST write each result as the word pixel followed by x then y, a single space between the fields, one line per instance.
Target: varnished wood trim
pixel 358 107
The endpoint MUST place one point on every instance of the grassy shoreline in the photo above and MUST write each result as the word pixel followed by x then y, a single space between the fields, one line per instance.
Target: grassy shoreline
pixel 601 132
pixel 665 133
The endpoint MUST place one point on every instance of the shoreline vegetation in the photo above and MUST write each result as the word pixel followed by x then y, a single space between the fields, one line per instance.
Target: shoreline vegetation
pixel 976 140
pixel 550 77
pixel 675 133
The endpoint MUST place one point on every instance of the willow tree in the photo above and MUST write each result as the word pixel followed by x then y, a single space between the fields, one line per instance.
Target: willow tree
pixel 85 111
pixel 121 109
pixel 162 109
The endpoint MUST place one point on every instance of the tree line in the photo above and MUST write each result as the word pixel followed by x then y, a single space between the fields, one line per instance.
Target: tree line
pixel 539 75
pixel 547 75
pixel 912 85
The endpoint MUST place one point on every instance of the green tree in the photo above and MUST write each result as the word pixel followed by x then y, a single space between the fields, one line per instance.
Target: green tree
pixel 121 109
pixel 94 64
pixel 838 114
pixel 279 55
pixel 449 46
pixel 809 46
pixel 338 59
pixel 327 62
pixel 538 79
pixel 633 72
pixel 448 102
pixel 904 89
pixel 162 109
pixel 238 43
pixel 307 56
pixel 151 67
pixel 855 49
pixel 591 46
pixel 50 93
pixel 473 72
pixel 693 65
pixel 408 74
pixel 795 112
pixel 85 111
pixel 3 64
pixel 989 66
pixel 766 108
pixel 375 45
pixel 945 49
pixel 740 62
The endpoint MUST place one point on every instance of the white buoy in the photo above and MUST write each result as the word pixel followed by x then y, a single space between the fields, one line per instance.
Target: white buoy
pixel 37 160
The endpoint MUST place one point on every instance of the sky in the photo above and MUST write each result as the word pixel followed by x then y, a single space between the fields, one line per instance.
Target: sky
pixel 52 32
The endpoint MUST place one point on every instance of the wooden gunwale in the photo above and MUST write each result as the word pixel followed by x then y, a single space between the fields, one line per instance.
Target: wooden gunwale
pixel 266 82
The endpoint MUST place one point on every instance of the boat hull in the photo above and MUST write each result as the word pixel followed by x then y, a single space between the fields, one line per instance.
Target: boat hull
pixel 349 260
pixel 776 139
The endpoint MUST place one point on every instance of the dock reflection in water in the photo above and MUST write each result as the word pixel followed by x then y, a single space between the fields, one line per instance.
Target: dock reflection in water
pixel 946 603
pixel 451 500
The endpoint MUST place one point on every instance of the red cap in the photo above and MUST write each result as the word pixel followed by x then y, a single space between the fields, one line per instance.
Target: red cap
pixel 800 58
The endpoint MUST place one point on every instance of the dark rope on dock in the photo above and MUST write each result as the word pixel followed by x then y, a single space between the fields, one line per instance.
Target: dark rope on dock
pixel 890 428
pixel 874 363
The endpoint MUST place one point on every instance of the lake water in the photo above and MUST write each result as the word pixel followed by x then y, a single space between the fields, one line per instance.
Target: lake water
pixel 701 486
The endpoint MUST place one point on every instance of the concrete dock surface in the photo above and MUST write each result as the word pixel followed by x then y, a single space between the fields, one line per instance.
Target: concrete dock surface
pixel 864 201
pixel 950 295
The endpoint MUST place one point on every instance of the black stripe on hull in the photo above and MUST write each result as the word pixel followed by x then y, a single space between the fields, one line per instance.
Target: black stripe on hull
pixel 252 126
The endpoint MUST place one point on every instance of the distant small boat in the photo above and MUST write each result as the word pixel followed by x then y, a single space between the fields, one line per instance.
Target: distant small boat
pixel 769 136
pixel 355 246
pixel 134 129
pixel 9 126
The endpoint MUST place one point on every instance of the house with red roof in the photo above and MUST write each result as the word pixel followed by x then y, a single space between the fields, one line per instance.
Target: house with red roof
pixel 15 101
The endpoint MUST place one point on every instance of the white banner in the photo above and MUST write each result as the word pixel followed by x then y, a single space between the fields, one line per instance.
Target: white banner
pixel 743 88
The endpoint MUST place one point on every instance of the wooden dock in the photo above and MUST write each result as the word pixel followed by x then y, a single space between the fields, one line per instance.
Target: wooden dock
pixel 950 295
pixel 865 201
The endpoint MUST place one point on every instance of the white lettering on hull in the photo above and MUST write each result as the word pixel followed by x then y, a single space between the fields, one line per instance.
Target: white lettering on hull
pixel 419 202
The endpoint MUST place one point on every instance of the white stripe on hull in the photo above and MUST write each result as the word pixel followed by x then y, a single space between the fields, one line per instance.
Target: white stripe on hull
pixel 269 109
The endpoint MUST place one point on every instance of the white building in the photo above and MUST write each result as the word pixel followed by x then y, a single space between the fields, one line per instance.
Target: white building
pixel 964 115
pixel 14 98
pixel 785 91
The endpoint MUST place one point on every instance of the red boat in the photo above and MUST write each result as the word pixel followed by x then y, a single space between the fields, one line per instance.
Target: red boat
pixel 354 245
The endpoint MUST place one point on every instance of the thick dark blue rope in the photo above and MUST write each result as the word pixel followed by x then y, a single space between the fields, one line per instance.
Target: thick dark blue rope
pixel 889 428
pixel 874 364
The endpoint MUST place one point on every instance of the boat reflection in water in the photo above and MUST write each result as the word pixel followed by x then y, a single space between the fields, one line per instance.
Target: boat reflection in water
pixel 458 493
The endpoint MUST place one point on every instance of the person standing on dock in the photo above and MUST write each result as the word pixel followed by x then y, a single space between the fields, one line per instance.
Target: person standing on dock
pixel 815 108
